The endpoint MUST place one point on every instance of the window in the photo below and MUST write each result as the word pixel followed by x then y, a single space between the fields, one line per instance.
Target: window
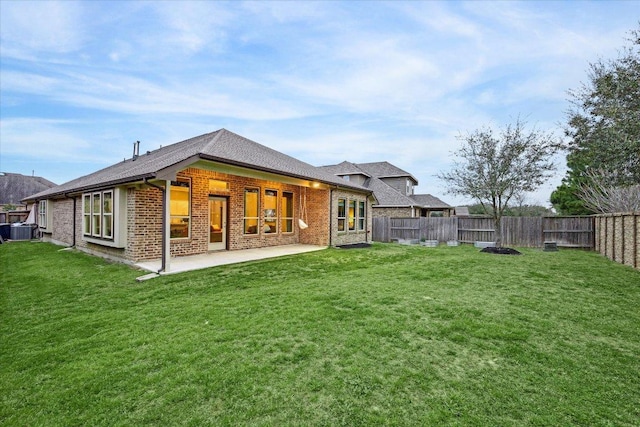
pixel 362 216
pixel 96 211
pixel 86 214
pixel 342 205
pixel 352 214
pixel 107 214
pixel 346 178
pixel 287 212
pixel 409 188
pixel 180 208
pixel 42 213
pixel 270 211
pixel 216 185
pixel 251 209
pixel 97 214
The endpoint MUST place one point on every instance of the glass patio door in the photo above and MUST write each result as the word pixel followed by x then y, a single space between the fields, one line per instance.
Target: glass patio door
pixel 217 223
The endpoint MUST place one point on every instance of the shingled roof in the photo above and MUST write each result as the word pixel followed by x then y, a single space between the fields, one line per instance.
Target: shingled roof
pixel 386 195
pixel 385 170
pixel 429 201
pixel 14 187
pixel 220 146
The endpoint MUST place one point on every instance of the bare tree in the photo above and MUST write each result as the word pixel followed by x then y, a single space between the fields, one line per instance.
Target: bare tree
pixel 600 195
pixel 494 167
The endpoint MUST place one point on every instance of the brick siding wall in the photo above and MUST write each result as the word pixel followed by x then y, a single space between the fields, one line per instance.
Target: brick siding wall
pixel 144 207
pixel 144 219
pixel 317 206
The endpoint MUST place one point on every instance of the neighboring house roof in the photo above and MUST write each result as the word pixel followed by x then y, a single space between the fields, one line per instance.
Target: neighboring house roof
pixel 220 146
pixel 345 168
pixel 386 195
pixel 385 170
pixel 14 187
pixel 429 201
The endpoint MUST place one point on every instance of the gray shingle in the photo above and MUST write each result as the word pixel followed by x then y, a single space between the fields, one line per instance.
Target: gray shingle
pixel 14 187
pixel 429 201
pixel 386 195
pixel 222 146
pixel 385 170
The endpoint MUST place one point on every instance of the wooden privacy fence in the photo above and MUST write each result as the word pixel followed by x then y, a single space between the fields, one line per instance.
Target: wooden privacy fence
pixel 575 232
pixel 618 237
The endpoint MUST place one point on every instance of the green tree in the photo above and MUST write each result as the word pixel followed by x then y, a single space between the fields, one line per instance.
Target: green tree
pixel 603 125
pixel 494 167
pixel 519 210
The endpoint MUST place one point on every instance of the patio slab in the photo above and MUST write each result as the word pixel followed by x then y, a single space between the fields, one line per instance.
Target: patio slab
pixel 213 259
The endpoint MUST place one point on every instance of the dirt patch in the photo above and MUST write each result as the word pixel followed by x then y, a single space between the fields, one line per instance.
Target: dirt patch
pixel 501 251
pixel 355 246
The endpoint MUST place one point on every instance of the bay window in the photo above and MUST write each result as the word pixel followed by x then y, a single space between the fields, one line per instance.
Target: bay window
pixel 352 215
pixel 97 214
pixel 342 205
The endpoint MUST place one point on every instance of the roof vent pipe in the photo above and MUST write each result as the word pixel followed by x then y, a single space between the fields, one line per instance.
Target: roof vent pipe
pixel 136 150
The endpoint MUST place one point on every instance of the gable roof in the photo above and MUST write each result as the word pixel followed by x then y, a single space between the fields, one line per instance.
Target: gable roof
pixel 220 146
pixel 385 170
pixel 386 195
pixel 14 187
pixel 345 168
pixel 429 201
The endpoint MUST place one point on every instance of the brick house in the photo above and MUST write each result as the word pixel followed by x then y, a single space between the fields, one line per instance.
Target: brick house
pixel 393 189
pixel 214 192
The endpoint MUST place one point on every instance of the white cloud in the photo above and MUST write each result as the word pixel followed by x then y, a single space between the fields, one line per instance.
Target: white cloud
pixel 51 26
pixel 193 26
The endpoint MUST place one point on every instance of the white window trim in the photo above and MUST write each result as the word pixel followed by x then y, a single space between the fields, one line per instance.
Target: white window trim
pixel 45 216
pixel 118 237
pixel 361 219
pixel 344 217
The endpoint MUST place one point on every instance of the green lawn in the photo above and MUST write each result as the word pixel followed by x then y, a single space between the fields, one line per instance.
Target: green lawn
pixel 391 335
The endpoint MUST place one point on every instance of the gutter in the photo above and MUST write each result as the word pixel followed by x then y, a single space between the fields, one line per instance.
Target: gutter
pixel 164 222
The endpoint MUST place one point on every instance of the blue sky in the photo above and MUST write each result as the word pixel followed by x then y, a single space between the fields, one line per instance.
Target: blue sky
pixel 320 81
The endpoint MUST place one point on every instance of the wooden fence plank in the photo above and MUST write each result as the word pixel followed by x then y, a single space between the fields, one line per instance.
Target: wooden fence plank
pixel 516 231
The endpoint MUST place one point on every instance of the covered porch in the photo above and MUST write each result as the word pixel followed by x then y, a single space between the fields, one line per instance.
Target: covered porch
pixel 213 259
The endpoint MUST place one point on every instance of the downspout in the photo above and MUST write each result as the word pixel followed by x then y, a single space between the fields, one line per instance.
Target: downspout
pixel 164 222
pixel 73 239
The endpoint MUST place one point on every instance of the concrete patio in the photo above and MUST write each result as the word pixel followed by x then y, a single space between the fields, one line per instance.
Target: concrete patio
pixel 213 259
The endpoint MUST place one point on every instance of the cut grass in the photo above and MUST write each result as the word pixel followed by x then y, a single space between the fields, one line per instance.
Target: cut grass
pixel 390 335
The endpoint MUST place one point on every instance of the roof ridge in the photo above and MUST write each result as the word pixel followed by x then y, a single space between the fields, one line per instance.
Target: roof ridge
pixel 213 140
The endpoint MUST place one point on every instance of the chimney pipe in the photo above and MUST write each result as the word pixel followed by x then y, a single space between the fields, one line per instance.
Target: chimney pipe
pixel 136 150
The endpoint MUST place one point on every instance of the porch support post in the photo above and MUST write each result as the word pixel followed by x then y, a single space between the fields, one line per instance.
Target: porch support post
pixel 166 227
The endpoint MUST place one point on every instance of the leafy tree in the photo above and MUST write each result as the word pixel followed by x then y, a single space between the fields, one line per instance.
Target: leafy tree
pixel 604 129
pixel 492 167
pixel 519 210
